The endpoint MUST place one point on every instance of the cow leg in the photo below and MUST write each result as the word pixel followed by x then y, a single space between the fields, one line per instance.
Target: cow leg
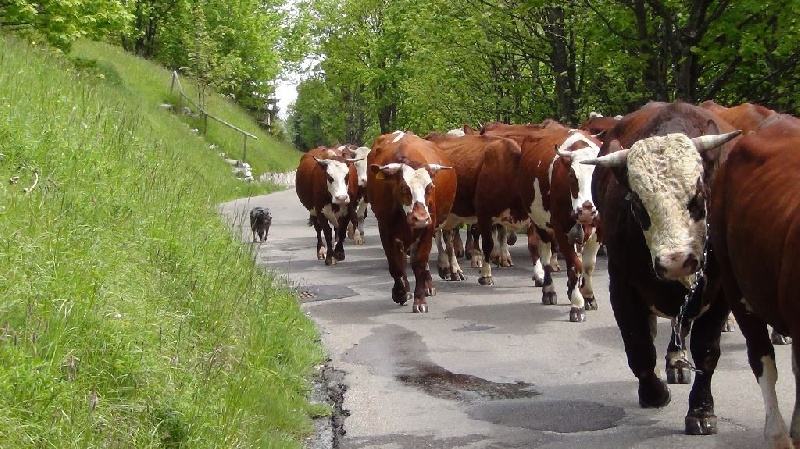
pixel 449 269
pixel 501 253
pixel 358 225
pixel 678 369
pixel 554 256
pixel 396 258
pixel 533 250
pixel 704 344
pixel 321 250
pixel 474 249
pixel 487 243
pixel 577 313
pixel 442 258
pixel 458 244
pixel 549 296
pixel 795 424
pixel 419 265
pixel 761 355
pixel 637 325
pixel 455 269
pixel 589 259
pixel 340 230
pixel 330 258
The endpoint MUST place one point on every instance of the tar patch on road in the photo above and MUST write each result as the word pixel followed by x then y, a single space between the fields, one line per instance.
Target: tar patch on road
pixel 314 293
pixel 441 383
pixel 553 416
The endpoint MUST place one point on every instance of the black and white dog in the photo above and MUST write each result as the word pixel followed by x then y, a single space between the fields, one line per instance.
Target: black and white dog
pixel 260 221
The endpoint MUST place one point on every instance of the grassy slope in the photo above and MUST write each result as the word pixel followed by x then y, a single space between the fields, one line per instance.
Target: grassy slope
pixel 131 316
pixel 153 85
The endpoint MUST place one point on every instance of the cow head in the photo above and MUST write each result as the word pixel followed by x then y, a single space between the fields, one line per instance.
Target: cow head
pixel 415 189
pixel 577 148
pixel 667 196
pixel 336 174
pixel 358 157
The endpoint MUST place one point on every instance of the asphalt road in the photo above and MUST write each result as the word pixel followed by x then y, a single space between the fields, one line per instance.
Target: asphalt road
pixel 489 367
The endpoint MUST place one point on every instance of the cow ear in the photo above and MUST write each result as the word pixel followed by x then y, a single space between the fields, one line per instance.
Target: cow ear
pixel 564 155
pixel 322 162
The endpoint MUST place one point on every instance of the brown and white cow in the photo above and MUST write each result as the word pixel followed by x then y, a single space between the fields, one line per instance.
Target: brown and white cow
pixel 556 189
pixel 410 186
pixel 754 228
pixel 518 133
pixel 358 200
pixel 487 168
pixel 651 193
pixel 323 184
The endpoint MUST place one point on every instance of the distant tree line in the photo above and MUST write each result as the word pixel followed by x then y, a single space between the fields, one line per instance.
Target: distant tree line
pixel 438 64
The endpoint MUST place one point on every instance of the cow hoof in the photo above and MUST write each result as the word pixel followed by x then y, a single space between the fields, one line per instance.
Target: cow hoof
pixel 653 393
pixel 537 282
pixel 780 340
pixel 680 373
pixel 506 264
pixel 457 276
pixel 549 298
pixel 420 308
pixel 700 424
pixel 728 326
pixel 430 291
pixel 485 280
pixel 555 267
pixel 577 315
pixel 330 261
pixel 443 272
pixel 358 241
pixel 321 256
pixel 339 256
pixel 590 303
pixel 400 298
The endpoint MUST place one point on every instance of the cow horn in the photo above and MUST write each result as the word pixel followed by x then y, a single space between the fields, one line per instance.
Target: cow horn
pixel 703 143
pixel 615 159
pixel 355 159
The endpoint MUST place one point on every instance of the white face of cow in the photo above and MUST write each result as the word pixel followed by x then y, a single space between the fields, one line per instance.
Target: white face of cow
pixel 336 176
pixel 414 187
pixel 665 173
pixel 582 205
pixel 361 164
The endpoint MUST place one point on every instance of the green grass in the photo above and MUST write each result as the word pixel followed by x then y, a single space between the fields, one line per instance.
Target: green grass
pixel 131 315
pixel 152 85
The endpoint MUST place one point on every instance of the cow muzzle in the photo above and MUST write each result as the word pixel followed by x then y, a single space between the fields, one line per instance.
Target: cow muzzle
pixel 342 199
pixel 675 266
pixel 585 214
pixel 419 216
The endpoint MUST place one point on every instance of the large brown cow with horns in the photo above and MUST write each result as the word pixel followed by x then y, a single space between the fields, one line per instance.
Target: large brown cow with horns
pixel 410 186
pixel 651 193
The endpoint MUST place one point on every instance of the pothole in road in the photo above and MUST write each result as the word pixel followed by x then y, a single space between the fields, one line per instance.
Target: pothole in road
pixel 441 383
pixel 553 416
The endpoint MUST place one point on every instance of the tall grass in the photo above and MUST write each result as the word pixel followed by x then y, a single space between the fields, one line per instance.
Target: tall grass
pixel 131 316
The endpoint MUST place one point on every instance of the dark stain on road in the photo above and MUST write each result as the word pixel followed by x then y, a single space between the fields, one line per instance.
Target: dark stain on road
pixel 553 416
pixel 441 383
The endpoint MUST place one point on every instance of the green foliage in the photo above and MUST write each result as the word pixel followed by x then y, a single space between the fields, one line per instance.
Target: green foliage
pixel 438 64
pixel 132 316
pixel 62 22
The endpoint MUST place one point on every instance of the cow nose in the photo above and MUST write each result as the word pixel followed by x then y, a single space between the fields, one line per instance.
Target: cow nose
pixel 342 199
pixel 661 270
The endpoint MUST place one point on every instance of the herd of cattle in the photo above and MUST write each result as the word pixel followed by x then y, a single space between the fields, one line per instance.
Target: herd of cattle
pixel 697 206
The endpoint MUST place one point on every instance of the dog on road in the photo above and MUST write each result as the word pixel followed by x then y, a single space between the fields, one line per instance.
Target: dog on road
pixel 260 221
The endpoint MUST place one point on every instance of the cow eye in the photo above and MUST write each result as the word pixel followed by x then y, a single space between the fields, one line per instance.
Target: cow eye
pixel 697 207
